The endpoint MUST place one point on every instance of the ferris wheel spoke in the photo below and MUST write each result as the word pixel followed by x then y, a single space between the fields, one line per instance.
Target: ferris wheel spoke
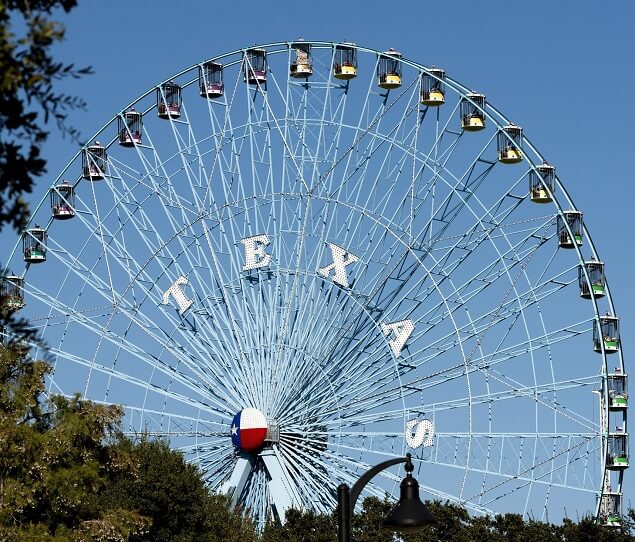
pixel 368 398
pixel 541 393
pixel 381 282
pixel 487 361
pixel 201 281
pixel 308 476
pixel 508 446
pixel 500 355
pixel 121 341
pixel 215 466
pixel 206 448
pixel 162 423
pixel 139 317
pixel 573 451
pixel 460 186
pixel 234 319
pixel 142 384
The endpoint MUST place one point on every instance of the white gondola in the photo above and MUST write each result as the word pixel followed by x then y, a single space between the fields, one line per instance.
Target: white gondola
pixel 618 390
pixel 595 286
pixel 606 334
pixel 34 245
pixel 617 456
pixel 570 228
pixel 542 183
pixel 255 62
pixel 345 61
pixel 169 100
pixel 210 80
pixel 12 292
pixel 94 161
pixel 611 509
pixel 62 201
pixel 130 126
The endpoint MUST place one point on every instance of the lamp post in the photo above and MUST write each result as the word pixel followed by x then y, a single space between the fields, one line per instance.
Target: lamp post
pixel 409 515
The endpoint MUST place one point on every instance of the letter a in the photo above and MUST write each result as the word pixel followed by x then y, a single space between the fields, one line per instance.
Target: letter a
pixel 341 258
pixel 175 291
pixel 255 255
pixel 402 330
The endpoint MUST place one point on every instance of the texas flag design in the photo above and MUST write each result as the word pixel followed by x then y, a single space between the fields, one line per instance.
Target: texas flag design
pixel 249 429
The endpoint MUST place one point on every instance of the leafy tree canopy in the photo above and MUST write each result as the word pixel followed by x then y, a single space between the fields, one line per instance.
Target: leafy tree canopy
pixel 172 493
pixel 454 524
pixel 28 98
pixel 55 461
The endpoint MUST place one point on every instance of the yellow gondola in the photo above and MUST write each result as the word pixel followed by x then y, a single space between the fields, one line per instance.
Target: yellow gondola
pixel 345 61
pixel 473 112
pixel 432 88
pixel 510 144
pixel 389 70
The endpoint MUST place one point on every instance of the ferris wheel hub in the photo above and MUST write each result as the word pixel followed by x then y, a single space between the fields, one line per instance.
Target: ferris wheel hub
pixel 249 429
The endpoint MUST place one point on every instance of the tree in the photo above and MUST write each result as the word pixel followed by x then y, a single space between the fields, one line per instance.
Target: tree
pixel 302 526
pixel 454 524
pixel 29 102
pixel 55 461
pixel 172 493
pixel 28 99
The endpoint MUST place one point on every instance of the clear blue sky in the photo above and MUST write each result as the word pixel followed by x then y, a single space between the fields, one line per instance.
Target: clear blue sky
pixel 562 70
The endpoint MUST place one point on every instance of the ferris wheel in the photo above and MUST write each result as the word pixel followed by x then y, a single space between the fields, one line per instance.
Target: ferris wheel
pixel 299 259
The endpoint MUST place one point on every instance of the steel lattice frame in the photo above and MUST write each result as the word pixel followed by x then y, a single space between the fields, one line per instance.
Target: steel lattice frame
pixel 500 358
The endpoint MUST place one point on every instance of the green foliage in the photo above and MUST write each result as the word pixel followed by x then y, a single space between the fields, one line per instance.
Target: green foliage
pixel 28 99
pixel 453 524
pixel 28 102
pixel 55 461
pixel 172 493
pixel 302 527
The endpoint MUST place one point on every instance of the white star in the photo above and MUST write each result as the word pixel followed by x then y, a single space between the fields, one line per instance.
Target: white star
pixel 234 429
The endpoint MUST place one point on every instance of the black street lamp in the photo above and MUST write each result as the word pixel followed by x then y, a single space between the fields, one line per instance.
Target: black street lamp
pixel 409 515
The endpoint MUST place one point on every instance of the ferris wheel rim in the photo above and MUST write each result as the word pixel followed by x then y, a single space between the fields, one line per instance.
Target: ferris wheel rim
pixel 281 47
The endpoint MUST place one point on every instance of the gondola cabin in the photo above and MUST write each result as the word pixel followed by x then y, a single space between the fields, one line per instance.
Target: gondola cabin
pixel 595 286
pixel 473 112
pixel 345 61
pixel 542 183
pixel 94 161
pixel 618 390
pixel 432 87
pixel 606 334
pixel 389 70
pixel 34 245
pixel 62 201
pixel 611 509
pixel 510 140
pixel 617 457
pixel 169 100
pixel 570 228
pixel 300 66
pixel 255 61
pixel 130 125
pixel 12 292
pixel 210 80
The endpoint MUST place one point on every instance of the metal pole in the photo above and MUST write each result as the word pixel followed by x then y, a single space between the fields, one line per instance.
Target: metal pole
pixel 343 513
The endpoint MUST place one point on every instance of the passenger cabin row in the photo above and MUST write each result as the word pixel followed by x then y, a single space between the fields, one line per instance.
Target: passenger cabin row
pixel 591 277
pixel 542 178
